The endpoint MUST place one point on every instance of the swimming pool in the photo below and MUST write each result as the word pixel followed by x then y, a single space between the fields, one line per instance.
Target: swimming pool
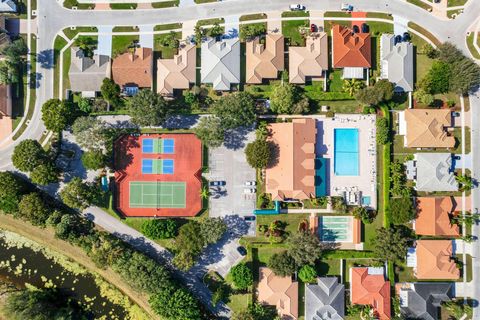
pixel 345 145
pixel 335 229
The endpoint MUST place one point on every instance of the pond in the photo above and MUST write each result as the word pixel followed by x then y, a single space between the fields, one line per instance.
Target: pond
pixel 23 261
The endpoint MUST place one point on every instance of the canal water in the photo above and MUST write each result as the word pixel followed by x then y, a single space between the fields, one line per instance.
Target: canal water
pixel 26 264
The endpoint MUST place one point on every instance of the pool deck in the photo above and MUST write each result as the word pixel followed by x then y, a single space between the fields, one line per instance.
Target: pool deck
pixel 366 182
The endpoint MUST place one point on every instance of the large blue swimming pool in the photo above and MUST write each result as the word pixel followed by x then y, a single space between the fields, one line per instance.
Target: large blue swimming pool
pixel 345 145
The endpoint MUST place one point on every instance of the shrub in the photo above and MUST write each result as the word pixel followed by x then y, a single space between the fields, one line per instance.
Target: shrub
pixel 242 276
pixel 258 153
pixel 307 274
pixel 160 228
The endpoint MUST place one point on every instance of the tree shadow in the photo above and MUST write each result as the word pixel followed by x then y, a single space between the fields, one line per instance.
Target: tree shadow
pixel 35 78
pixel 235 138
pixel 274 154
pixel 181 121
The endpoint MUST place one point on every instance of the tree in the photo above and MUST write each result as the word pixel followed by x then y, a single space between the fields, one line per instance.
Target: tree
pixel 363 214
pixel 307 274
pixel 57 114
pixel 33 209
pixel 84 105
pixel 242 276
pixel 301 106
pixel 383 131
pixel 173 303
pixel 382 91
pixel 215 31
pixel 352 86
pixel 11 65
pixel 283 98
pixel 184 260
pixel 148 108
pixel 15 50
pixel 11 190
pixel 235 110
pixel 189 238
pixel 86 44
pixel 390 244
pixel 160 228
pixel 257 311
pixel 199 34
pixel 304 248
pixel 111 92
pixel 28 154
pixel 465 182
pixel 44 174
pixel 71 227
pixel 91 133
pixel 211 131
pixel 170 40
pixel 258 153
pixel 79 195
pixel 437 78
pixel 403 210
pixel 212 229
pixel 458 308
pixel 249 31
pixel 282 264
pixel 429 51
pixel 94 160
pixel 423 97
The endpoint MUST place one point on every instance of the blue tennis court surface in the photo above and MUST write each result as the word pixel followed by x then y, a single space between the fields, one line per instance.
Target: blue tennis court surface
pixel 157 166
pixel 168 146
pixel 147 166
pixel 346 158
pixel 147 145
pixel 167 166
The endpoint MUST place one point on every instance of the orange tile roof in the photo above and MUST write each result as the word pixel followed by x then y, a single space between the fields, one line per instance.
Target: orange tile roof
pixel 293 175
pixel 426 128
pixel 177 73
pixel 351 50
pixel 370 289
pixel 280 292
pixel 434 260
pixel 134 68
pixel 265 61
pixel 433 217
pixel 308 61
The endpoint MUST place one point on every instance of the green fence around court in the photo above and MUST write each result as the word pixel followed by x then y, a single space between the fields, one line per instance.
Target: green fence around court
pixel 157 194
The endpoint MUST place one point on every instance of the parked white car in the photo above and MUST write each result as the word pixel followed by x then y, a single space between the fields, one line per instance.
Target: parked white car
pixel 250 183
pixel 347 7
pixel 249 190
pixel 297 7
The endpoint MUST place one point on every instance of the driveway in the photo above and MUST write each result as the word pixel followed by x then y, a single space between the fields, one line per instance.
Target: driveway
pixel 146 36
pixel 228 163
pixel 399 25
pixel 104 45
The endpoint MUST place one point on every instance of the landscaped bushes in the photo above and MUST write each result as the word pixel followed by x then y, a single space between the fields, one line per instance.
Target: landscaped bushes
pixel 160 229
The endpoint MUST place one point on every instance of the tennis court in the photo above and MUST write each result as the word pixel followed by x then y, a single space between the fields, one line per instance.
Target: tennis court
pixel 157 166
pixel 165 146
pixel 157 194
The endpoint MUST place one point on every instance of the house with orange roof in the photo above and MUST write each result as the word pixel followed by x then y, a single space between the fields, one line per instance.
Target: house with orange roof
pixel 433 217
pixel 434 260
pixel 310 61
pixel 264 61
pixel 133 70
pixel 369 287
pixel 293 174
pixel 281 292
pixel 177 73
pixel 426 128
pixel 351 51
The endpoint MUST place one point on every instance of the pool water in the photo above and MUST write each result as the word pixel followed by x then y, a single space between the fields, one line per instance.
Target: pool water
pixel 335 229
pixel 346 161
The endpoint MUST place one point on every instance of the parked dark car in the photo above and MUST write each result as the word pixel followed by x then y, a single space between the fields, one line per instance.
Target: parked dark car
pixel 356 29
pixel 397 39
pixel 249 218
pixel 217 183
pixel 406 36
pixel 313 28
pixel 364 28
pixel 242 251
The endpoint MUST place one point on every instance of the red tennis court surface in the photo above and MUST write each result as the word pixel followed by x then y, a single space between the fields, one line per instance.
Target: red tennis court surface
pixel 187 165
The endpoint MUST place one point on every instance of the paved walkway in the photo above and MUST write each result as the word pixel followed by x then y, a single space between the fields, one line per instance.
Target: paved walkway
pixel 399 25
pixel 146 35
pixel 104 46
pixel 274 23
pixel 232 26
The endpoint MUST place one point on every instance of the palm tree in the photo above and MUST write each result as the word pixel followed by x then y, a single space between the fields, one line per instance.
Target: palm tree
pixel 204 192
pixel 465 182
pixel 352 86
pixel 87 45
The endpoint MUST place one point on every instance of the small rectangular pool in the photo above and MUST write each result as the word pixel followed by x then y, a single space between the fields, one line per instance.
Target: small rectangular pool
pixel 335 229
pixel 346 158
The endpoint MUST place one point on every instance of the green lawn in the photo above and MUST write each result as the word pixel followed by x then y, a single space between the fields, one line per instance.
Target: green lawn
pixel 420 4
pixel 57 47
pixel 471 47
pixel 349 263
pixel 72 33
pixel 335 81
pixel 256 16
pixel 423 65
pixel 337 14
pixel 204 1
pixel 123 6
pixel 163 51
pixel 290 30
pixel 379 15
pixel 240 301
pixel 124 29
pixel 165 4
pixel 451 13
pixel 455 3
pixel 67 55
pixel 209 22
pixel 169 26
pixel 328 267
pixel 294 14
pixel 74 3
pixel 423 31
pixel 121 43
pixel 403 273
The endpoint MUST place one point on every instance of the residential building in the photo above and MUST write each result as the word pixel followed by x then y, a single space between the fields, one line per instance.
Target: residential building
pixel 309 62
pixel 396 63
pixel 292 176
pixel 422 300
pixel 8 6
pixel 432 172
pixel 351 51
pixel 369 287
pixel 158 175
pixel 221 63
pixel 133 70
pixel 179 72
pixel 264 61
pixel 325 300
pixel 434 260
pixel 5 101
pixel 426 128
pixel 86 74
pixel 281 292
pixel 433 217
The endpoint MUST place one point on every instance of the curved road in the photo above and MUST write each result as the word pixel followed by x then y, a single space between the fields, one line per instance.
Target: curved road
pixel 52 18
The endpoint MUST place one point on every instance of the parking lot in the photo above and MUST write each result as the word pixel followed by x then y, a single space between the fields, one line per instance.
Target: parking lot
pixel 230 165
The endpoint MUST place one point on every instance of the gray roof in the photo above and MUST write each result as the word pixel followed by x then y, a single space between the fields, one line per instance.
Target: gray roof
pixel 325 300
pixel 422 300
pixel 8 6
pixel 221 62
pixel 397 62
pixel 435 172
pixel 87 74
